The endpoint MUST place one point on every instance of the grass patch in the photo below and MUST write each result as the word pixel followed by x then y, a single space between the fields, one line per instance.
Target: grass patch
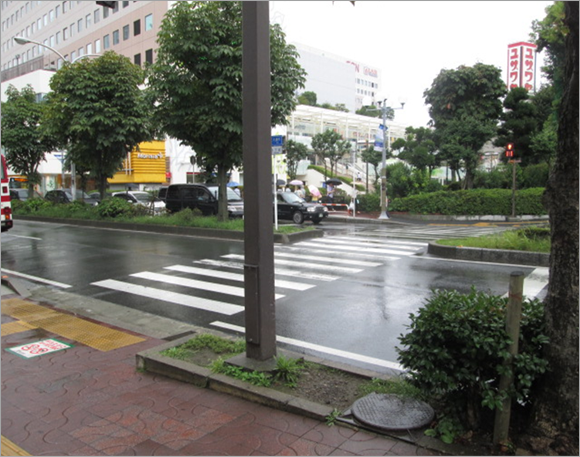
pixel 532 239
pixel 391 386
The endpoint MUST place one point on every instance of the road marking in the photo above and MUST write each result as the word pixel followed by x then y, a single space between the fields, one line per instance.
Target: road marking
pixel 237 277
pixel 302 265
pixel 360 263
pixel 356 248
pixel 373 244
pixel 37 279
pixel 27 237
pixel 379 239
pixel 194 284
pixel 172 297
pixel 279 271
pixel 322 349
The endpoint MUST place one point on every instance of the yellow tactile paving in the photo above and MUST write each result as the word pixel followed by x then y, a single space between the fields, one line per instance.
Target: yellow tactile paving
pixel 9 448
pixel 16 327
pixel 74 328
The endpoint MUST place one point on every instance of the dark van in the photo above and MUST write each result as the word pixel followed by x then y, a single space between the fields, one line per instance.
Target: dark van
pixel 202 197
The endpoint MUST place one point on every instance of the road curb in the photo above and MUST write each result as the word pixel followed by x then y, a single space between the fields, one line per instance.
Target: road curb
pixel 284 238
pixel 489 255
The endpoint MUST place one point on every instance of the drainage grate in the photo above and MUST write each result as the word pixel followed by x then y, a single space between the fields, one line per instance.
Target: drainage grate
pixel 392 412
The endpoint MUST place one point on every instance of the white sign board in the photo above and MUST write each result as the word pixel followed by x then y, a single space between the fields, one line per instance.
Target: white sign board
pixel 39 348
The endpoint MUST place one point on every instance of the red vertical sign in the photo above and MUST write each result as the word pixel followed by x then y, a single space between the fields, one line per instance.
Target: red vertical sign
pixel 521 65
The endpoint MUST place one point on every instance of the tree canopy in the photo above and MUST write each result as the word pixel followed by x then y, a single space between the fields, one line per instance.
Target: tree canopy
pixel 97 111
pixel 418 148
pixel 465 106
pixel 330 145
pixel 295 152
pixel 22 134
pixel 195 85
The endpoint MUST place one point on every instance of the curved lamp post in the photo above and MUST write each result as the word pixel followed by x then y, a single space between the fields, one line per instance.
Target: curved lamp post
pixel 22 40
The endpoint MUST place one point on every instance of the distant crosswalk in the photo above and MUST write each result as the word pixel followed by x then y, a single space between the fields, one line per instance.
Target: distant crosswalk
pixel 434 232
pixel 217 285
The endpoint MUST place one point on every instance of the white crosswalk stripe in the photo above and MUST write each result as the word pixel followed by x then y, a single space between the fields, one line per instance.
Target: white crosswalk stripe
pixel 297 268
pixel 429 232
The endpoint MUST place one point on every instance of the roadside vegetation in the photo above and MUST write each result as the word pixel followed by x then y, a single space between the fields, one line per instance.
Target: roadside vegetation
pixel 533 239
pixel 117 210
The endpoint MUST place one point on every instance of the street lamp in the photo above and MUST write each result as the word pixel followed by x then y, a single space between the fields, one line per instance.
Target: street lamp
pixel 22 40
pixel 386 144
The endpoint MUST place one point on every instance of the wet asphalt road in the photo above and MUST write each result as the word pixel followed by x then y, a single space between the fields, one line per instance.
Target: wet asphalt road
pixel 347 295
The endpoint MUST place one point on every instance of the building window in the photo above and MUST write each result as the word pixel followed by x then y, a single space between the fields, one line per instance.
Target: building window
pixel 148 22
pixel 73 56
pixel 116 8
pixel 97 15
pixel 51 40
pixel 149 56
pixel 57 37
pixel 137 27
pixel 50 15
pixel 64 7
pixel 72 29
pixel 45 19
pixel 90 48
pixel 115 37
pixel 88 20
pixel 65 33
pixel 105 12
pixel 125 4
pixel 137 59
pixel 125 32
pixel 106 42
pixel 80 25
pixel 97 46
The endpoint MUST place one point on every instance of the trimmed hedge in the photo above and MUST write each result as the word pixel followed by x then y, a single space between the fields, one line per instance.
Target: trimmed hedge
pixel 495 202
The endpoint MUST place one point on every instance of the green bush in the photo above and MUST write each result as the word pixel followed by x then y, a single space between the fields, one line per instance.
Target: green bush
pixel 457 343
pixel 114 207
pixel 472 202
pixel 369 202
pixel 30 207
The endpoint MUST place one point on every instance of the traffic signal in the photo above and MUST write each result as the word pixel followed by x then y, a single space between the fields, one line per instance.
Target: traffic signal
pixel 509 150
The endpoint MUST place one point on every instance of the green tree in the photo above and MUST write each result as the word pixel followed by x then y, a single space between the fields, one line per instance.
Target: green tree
pixel 97 110
pixel 307 98
pixel 295 152
pixel 418 149
pixel 373 111
pixel 330 145
pixel 465 106
pixel 22 133
pixel 195 85
pixel 373 157
pixel 519 122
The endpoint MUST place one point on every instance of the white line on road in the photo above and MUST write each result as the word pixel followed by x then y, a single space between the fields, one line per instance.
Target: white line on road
pixel 201 285
pixel 236 276
pixel 303 265
pixel 322 349
pixel 172 297
pixel 27 237
pixel 357 249
pixel 37 279
pixel 360 263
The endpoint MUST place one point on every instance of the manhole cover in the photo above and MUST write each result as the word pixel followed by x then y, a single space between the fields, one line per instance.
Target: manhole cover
pixel 391 412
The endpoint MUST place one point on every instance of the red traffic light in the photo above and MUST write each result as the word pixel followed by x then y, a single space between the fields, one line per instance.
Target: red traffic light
pixel 509 150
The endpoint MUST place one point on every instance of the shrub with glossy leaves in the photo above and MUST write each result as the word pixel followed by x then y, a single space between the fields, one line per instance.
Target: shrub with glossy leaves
pixel 114 207
pixel 456 346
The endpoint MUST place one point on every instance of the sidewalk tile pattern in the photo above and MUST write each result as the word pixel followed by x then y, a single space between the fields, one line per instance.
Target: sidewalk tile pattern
pixel 82 401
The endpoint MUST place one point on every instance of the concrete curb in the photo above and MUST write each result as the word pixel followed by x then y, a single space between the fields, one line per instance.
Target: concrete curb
pixel 484 218
pixel 489 255
pixel 284 238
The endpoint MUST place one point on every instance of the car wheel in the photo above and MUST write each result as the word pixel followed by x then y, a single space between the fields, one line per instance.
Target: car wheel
pixel 316 221
pixel 298 217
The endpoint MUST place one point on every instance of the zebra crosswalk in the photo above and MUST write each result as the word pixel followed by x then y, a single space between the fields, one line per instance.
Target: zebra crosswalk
pixel 435 232
pixel 217 285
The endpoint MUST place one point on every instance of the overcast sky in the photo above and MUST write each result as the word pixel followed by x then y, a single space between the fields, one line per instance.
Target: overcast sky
pixel 411 41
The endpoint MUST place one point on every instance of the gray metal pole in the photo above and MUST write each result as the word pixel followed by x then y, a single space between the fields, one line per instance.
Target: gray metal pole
pixel 384 214
pixel 258 212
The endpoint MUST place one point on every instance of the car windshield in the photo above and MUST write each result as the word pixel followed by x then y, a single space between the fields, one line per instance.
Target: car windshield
pixel 291 197
pixel 143 197
pixel 232 194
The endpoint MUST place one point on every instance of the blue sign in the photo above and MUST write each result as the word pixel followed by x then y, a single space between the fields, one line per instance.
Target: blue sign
pixel 277 140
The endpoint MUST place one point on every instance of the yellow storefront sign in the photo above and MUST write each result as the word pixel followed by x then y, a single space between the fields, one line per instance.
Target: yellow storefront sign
pixel 145 164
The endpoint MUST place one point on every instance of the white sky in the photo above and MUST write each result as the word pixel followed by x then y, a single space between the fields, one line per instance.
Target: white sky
pixel 411 41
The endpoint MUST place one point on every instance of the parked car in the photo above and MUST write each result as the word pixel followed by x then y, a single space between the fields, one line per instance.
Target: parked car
pixel 162 193
pixel 203 197
pixel 298 210
pixel 22 194
pixel 141 198
pixel 65 196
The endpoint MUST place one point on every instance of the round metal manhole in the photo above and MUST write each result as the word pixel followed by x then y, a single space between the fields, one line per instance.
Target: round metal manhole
pixel 392 412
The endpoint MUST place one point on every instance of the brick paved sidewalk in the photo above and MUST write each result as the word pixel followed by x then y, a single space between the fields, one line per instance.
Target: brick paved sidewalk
pixel 89 401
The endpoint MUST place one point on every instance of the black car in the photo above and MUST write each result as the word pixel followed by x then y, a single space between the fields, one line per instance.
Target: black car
pixel 296 209
pixel 203 197
pixel 65 196
pixel 22 194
